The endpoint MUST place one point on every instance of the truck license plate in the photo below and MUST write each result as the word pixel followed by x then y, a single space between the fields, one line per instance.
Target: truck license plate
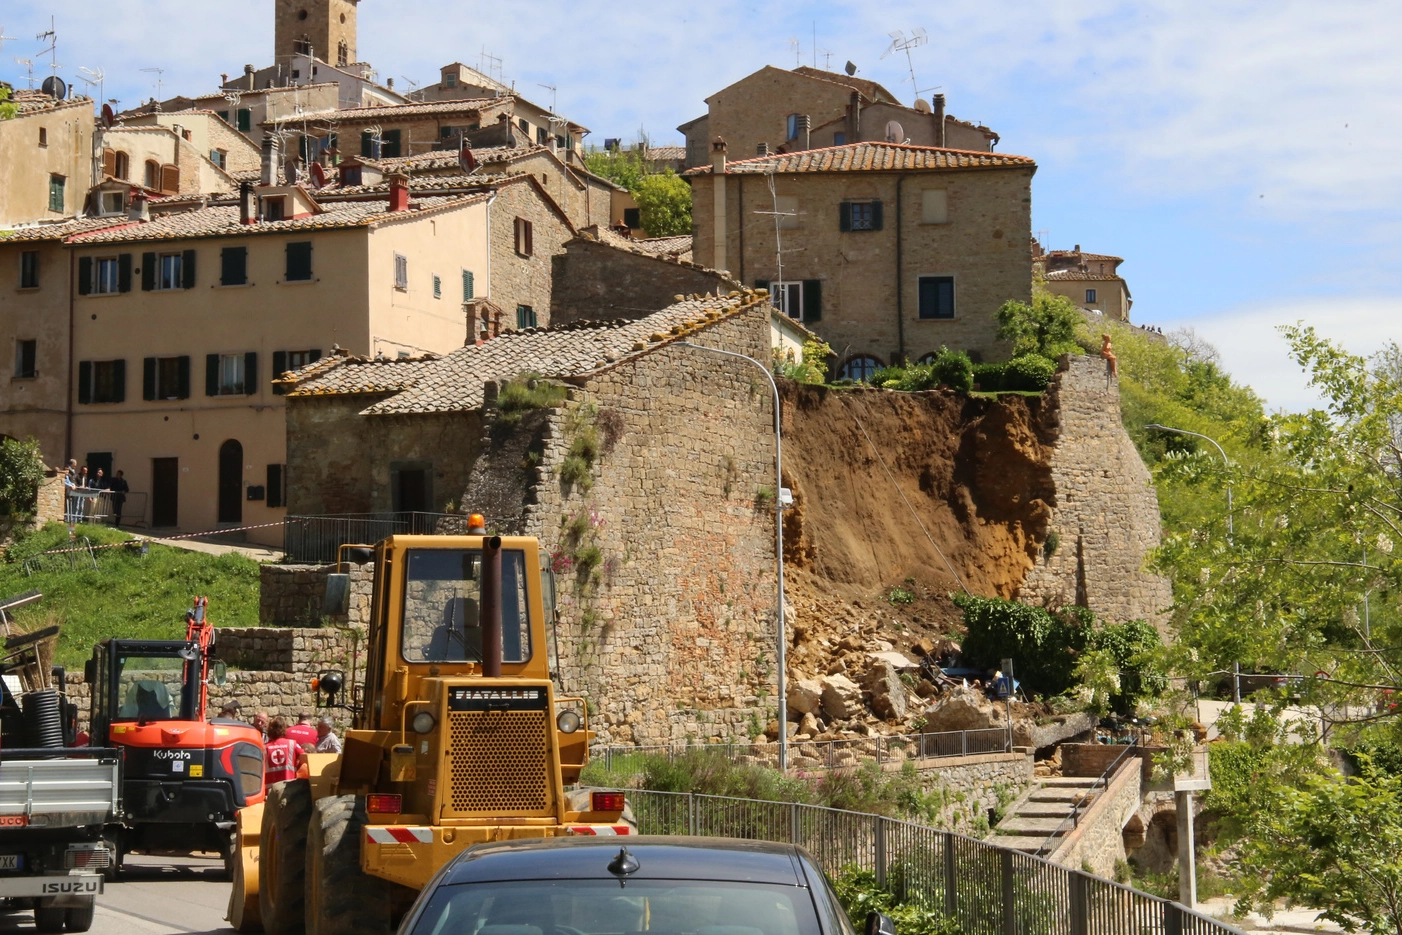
pixel 13 821
pixel 11 861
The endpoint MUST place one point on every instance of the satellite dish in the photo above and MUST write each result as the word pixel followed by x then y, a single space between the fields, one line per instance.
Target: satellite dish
pixel 850 69
pixel 318 175
pixel 290 170
pixel 54 87
pixel 467 160
pixel 107 116
pixel 922 106
pixel 895 133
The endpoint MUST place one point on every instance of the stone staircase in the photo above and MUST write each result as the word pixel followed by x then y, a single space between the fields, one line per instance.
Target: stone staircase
pixel 1040 813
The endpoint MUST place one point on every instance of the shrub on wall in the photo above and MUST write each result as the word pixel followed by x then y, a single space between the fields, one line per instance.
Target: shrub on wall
pixel 21 473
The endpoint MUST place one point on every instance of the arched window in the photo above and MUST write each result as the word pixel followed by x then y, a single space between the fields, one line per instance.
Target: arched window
pixel 860 367
pixel 342 54
pixel 122 168
pixel 153 175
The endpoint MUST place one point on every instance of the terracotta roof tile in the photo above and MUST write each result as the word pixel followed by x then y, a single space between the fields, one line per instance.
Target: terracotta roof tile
pixel 34 102
pixel 60 230
pixel 344 375
pixel 390 111
pixel 1079 275
pixel 666 152
pixel 871 157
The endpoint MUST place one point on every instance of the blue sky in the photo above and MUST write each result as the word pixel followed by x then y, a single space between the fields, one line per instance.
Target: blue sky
pixel 1242 157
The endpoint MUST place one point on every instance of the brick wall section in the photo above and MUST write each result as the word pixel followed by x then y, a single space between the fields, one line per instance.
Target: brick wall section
pixel 1106 514
pixel 525 280
pixel 596 281
pixel 48 507
pixel 675 640
pixel 342 462
pixel 983 246
pixel 293 595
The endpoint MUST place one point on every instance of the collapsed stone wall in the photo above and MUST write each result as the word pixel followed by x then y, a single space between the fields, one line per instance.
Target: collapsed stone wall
pixel 1105 513
pixel 294 596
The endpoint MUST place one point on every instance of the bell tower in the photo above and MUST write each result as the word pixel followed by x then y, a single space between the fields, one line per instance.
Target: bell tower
pixel 325 28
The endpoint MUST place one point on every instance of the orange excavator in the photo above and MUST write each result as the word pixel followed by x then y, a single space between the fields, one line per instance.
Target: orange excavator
pixel 184 775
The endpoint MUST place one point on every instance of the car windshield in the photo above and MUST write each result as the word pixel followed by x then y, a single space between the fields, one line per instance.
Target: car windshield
pixel 604 907
pixel 440 606
pixel 150 688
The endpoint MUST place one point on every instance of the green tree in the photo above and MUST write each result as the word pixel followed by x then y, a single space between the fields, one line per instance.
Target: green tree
pixel 664 204
pixel 624 167
pixel 1049 326
pixel 21 473
pixel 7 109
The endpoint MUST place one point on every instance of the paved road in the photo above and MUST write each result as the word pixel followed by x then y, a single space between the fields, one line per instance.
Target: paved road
pixel 156 896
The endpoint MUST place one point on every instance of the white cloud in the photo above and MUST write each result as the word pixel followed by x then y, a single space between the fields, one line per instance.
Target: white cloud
pixel 1254 352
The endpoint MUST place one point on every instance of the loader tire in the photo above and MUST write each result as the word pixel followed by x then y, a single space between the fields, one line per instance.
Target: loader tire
pixel 287 812
pixel 342 899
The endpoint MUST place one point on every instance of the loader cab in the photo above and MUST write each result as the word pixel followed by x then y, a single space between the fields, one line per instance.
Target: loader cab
pixel 141 682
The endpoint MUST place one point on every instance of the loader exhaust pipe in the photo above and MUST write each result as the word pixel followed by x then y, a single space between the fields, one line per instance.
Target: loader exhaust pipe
pixel 490 606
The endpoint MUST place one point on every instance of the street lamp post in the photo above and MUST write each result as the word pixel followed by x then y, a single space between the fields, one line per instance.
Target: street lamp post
pixel 780 634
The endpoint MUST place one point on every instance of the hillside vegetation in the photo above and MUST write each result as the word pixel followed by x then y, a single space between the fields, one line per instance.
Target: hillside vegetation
pixel 129 594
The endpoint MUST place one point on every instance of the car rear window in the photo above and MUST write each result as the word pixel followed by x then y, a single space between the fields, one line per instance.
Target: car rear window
pixel 607 907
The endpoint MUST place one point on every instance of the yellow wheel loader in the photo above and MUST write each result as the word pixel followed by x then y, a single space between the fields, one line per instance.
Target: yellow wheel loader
pixel 458 738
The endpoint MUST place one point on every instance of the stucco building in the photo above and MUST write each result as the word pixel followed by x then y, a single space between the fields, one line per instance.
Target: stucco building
pixel 1090 280
pixel 46 153
pixel 889 252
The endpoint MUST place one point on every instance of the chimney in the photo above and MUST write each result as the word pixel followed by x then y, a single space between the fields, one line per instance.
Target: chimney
pixel 399 192
pixel 137 210
pixel 248 203
pixel 718 192
pixel 1078 248
pixel 269 175
pixel 805 131
pixel 223 79
pixel 854 118
pixel 248 78
pixel 939 120
pixel 389 83
pixel 554 145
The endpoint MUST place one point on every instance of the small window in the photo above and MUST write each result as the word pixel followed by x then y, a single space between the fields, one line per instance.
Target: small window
pixel 223 115
pixel 437 287
pixel 153 175
pixel 633 218
pixel 468 285
pixel 934 206
pixel 122 165
pixel 231 375
pixel 274 209
pixel 245 118
pixel 168 378
pixel 114 202
pixel 43 136
pixel 233 266
pixel 389 145
pixel 109 379
pixel 108 278
pixel 219 157
pixel 525 127
pixel 296 360
pixel 861 215
pixel 791 126
pixel 401 273
pixel 56 188
pixel 936 297
pixel 169 272
pixel 29 269
pixel 801 300
pixel 299 262
pixel 26 357
pixel 839 139
pixel 1090 296
pixel 450 80
pixel 859 368
pixel 542 136
pixel 525 317
pixel 524 244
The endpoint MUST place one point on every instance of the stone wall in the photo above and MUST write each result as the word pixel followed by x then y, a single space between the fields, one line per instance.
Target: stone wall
pixel 971 785
pixel 293 595
pixel 1097 841
pixel 596 280
pixel 1106 513
pixel 669 627
pixel 518 278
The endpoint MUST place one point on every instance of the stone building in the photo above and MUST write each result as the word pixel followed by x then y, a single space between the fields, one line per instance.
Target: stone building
pixel 890 252
pixel 600 274
pixel 165 161
pixel 667 640
pixel 776 110
pixel 1090 280
pixel 47 154
pixel 459 82
pixel 210 135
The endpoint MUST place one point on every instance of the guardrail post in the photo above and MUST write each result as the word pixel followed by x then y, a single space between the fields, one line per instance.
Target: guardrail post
pixel 691 813
pixel 879 834
pixel 795 824
pixel 951 876
pixel 1080 904
pixel 1172 918
pixel 1009 896
pixel 964 742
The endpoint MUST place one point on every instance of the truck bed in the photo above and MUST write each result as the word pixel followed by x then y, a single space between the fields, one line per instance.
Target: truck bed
pixel 58 788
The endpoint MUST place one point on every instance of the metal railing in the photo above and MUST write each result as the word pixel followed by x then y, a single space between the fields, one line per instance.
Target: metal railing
pixel 832 754
pixel 1087 799
pixel 75 555
pixel 90 505
pixel 314 539
pixel 985 889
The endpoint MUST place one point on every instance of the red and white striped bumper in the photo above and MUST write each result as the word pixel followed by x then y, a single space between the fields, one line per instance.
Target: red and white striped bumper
pixel 388 835
pixel 602 830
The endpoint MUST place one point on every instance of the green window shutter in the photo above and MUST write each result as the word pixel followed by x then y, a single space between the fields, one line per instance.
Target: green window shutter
pixel 183 391
pixel 223 115
pixel 233 263
pixel 467 285
pixel 124 273
pixel 85 382
pixel 367 141
pixel 250 373
pixel 844 216
pixel 187 269
pixel 812 300
pixel 279 368
pixel 119 381
pixel 56 193
pixel 148 272
pixel 85 275
pixel 389 144
pixel 876 215
pixel 299 262
pixel 245 120
pixel 211 374
pixel 275 485
pixel 148 378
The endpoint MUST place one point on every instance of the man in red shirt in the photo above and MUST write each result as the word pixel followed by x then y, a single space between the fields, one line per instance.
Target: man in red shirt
pixel 304 731
pixel 283 755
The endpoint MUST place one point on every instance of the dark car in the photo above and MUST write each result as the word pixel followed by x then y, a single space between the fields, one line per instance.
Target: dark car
pixel 614 886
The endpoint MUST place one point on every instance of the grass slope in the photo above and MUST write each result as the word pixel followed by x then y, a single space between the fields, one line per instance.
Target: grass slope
pixel 128 594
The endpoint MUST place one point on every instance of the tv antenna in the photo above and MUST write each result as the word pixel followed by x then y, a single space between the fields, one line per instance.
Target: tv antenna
pixel 901 43
pixel 489 65
pixel 827 59
pixel 4 38
pixel 91 77
pixel 778 242
pixel 413 86
pixel 28 63
pixel 51 36
pixel 160 79
pixel 797 52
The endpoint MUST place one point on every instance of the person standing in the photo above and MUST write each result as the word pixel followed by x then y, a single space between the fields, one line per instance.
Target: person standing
pixel 282 756
pixel 260 721
pixel 303 732
pixel 120 489
pixel 70 497
pixel 327 741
